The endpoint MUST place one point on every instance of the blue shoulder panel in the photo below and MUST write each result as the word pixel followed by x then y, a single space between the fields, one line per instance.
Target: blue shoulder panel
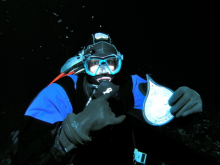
pixel 51 104
pixel 138 96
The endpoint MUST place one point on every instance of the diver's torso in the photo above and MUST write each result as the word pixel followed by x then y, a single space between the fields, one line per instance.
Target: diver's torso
pixel 112 144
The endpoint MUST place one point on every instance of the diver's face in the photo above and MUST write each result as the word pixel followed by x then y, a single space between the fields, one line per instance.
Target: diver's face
pixel 102 68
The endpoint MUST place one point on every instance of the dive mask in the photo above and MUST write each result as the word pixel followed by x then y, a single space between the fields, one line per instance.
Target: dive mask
pixel 95 65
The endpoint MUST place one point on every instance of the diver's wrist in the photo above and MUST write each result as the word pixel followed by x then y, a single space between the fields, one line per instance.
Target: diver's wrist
pixel 65 142
pixel 84 124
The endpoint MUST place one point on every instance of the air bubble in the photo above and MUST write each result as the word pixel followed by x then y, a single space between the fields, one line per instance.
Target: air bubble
pixel 55 14
pixel 59 21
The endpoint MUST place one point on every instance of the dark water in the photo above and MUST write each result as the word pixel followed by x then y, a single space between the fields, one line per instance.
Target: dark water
pixel 176 43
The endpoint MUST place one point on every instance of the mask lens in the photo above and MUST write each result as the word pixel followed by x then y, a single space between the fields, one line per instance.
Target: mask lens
pixel 111 61
pixel 93 65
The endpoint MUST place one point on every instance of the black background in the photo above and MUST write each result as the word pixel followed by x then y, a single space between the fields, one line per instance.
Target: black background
pixel 177 43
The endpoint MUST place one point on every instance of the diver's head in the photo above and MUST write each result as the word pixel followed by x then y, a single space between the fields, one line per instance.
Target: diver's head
pixel 102 59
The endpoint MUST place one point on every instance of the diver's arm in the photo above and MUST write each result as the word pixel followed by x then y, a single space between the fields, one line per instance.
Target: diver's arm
pixel 43 143
pixel 38 144
pixel 36 140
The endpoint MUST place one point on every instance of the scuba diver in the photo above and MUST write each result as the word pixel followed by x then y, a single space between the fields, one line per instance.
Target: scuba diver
pixel 86 114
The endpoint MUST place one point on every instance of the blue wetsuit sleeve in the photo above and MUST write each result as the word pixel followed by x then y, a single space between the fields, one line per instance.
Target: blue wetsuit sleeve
pixel 138 96
pixel 50 105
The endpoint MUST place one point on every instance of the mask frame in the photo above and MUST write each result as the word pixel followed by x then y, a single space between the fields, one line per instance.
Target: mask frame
pixel 103 63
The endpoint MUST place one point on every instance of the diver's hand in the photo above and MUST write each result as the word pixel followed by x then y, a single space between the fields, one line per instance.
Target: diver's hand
pixel 185 101
pixel 97 115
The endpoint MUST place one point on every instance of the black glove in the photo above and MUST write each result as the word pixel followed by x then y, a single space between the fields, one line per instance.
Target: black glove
pixel 97 115
pixel 94 117
pixel 185 101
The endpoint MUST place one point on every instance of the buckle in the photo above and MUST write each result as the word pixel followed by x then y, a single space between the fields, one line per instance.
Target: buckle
pixel 139 157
